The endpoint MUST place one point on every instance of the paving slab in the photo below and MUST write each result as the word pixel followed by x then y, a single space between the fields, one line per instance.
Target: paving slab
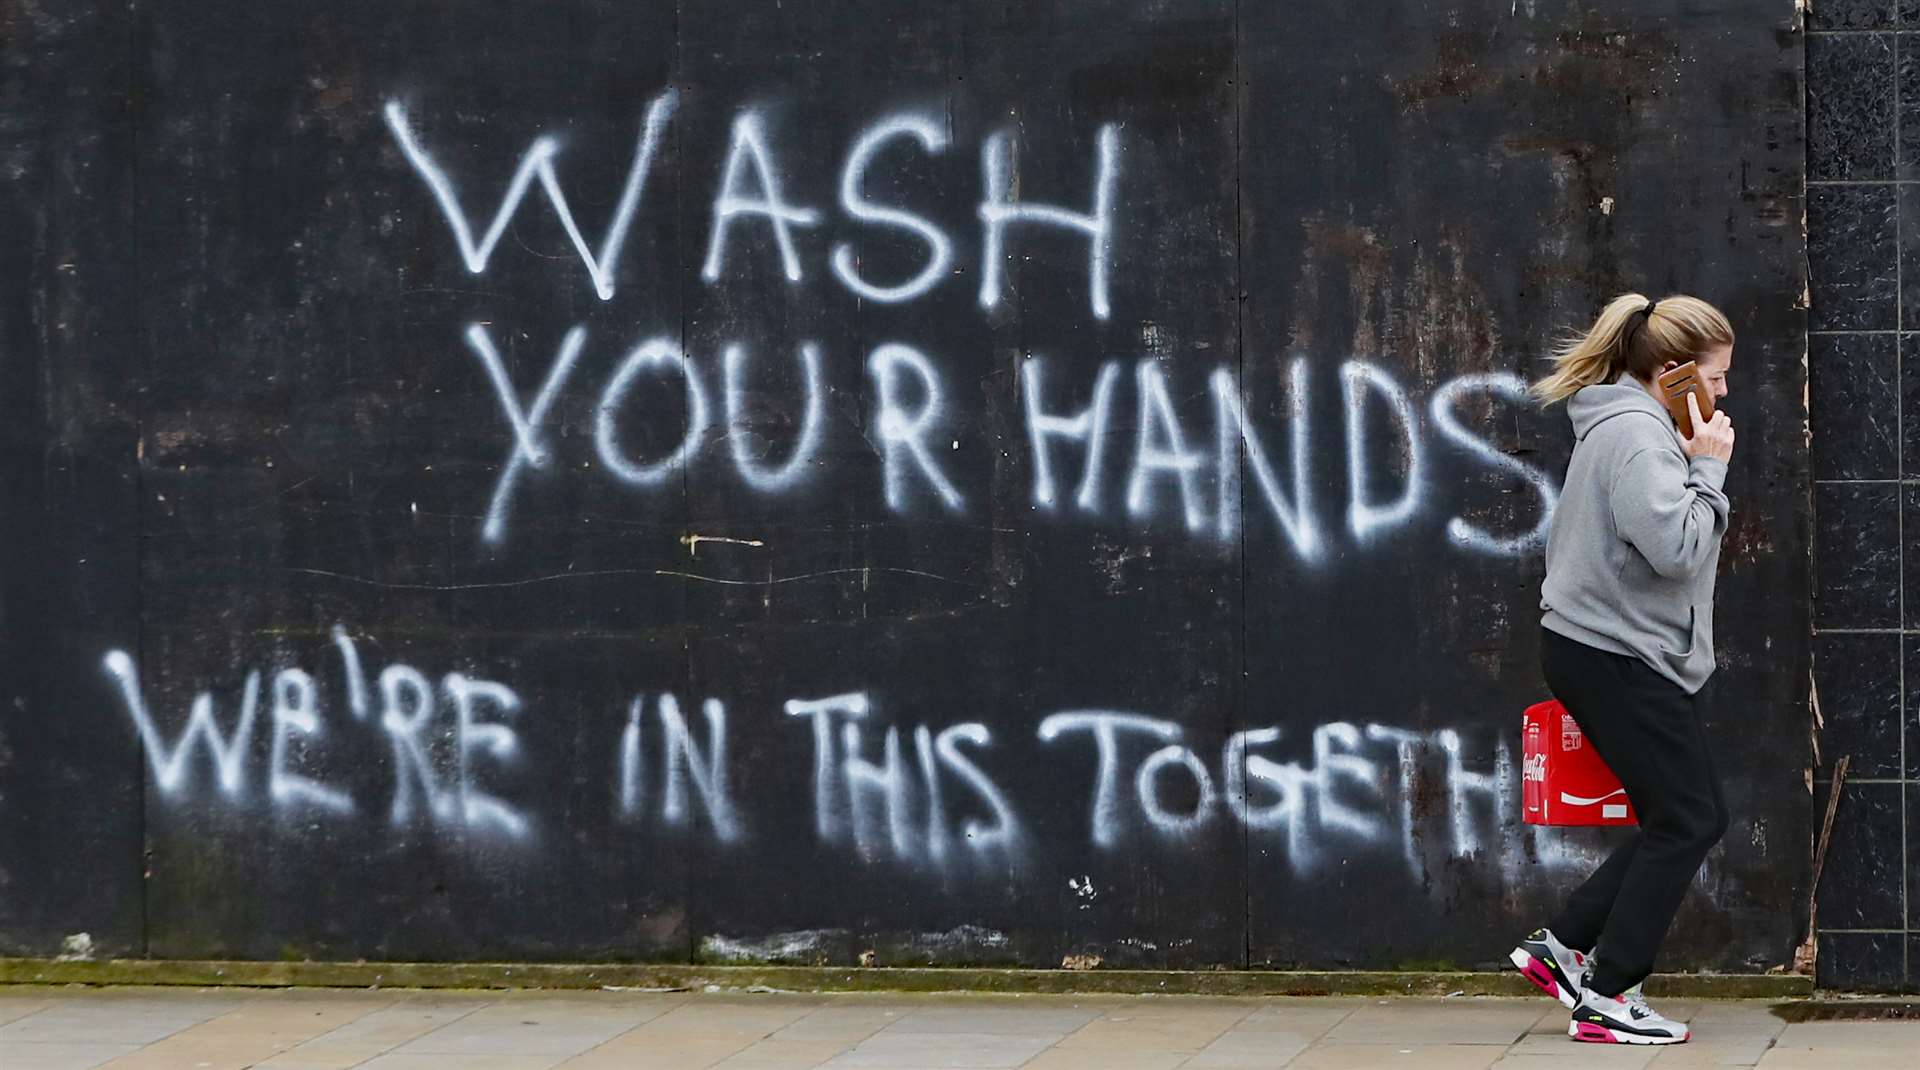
pixel 322 1029
pixel 36 1055
pixel 1429 1022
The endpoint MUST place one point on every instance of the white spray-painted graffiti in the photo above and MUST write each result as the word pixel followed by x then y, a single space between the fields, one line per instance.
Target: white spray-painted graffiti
pixel 1174 472
pixel 682 763
pixel 1170 468
pixel 449 754
pixel 740 198
pixel 932 137
pixel 918 795
pixel 434 771
pixel 538 160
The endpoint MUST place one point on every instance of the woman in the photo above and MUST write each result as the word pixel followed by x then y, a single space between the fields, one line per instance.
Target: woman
pixel 1627 643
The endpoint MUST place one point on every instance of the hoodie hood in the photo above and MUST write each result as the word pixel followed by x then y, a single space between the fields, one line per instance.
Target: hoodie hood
pixel 1593 405
pixel 1634 542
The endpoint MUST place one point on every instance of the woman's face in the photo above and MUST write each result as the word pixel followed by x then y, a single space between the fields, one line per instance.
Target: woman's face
pixel 1714 365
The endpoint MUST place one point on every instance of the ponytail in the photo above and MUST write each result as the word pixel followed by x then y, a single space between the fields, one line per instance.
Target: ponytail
pixel 1633 335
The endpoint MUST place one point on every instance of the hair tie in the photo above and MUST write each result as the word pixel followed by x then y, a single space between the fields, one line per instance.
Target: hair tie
pixel 1626 342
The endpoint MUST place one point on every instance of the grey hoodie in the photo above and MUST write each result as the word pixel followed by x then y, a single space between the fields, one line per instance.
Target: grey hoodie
pixel 1635 541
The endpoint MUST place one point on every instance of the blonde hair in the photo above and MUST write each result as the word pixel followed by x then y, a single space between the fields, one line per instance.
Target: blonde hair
pixel 1621 341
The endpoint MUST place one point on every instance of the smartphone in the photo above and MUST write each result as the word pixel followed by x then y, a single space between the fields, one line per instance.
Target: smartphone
pixel 1675 385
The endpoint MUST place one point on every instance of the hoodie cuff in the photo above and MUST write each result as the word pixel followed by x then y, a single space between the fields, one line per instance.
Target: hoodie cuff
pixel 1709 470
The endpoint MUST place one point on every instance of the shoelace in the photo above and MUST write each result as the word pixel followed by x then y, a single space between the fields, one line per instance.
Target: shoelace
pixel 1636 1001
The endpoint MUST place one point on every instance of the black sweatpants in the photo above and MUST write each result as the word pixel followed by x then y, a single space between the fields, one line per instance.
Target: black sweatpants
pixel 1647 729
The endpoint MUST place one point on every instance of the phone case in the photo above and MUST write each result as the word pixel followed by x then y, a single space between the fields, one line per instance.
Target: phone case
pixel 1675 385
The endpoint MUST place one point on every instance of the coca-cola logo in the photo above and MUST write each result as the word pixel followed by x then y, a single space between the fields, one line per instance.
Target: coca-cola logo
pixel 1534 767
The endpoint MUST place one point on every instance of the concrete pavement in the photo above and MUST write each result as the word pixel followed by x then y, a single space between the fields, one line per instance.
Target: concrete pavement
pixel 333 1029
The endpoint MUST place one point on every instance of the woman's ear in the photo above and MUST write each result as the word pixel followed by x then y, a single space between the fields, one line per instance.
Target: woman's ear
pixel 1672 364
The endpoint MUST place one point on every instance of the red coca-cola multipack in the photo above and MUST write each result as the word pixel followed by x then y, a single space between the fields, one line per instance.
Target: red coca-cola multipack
pixel 1565 782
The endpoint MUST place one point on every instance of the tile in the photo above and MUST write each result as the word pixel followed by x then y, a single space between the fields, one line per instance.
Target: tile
pixel 1800 1059
pixel 64 1055
pixel 928 1051
pixel 1749 1018
pixel 705 1030
pixel 1107 1059
pixel 467 1062
pixel 203 1054
pixel 1309 1018
pixel 1849 14
pixel 729 1017
pixel 399 1024
pixel 1833 1058
pixel 1857 555
pixel 191 1048
pixel 1910 517
pixel 1554 1024
pixel 14 1008
pixel 1852 251
pixel 1854 403
pixel 1171 1025
pixel 1676 1009
pixel 196 1005
pixel 1251 1050
pixel 91 1008
pixel 1042 1020
pixel 533 1027
pixel 97 1023
pixel 842 1021
pixel 288 1017
pixel 1711 1048
pixel 1866 962
pixel 1908 214
pixel 1907 57
pixel 1853 1035
pixel 319 1055
pixel 531 1038
pixel 661 1051
pixel 297 1010
pixel 1437 1022
pixel 1388 1056
pixel 1567 1052
pixel 1850 116
pixel 1860 888
pixel 1909 12
pixel 1910 403
pixel 1859 681
pixel 780 1055
pixel 1553 1020
pixel 1913 862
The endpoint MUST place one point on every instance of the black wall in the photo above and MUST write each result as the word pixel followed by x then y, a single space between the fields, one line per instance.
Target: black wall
pixel 1157 719
pixel 1862 85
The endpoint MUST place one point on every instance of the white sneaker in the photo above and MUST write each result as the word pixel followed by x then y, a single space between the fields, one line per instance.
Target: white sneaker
pixel 1624 1020
pixel 1553 967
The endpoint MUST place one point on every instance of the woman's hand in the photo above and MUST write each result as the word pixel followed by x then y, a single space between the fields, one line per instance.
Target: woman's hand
pixel 1711 438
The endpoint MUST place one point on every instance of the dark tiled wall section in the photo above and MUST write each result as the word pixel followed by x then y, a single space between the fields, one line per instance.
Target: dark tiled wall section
pixel 1863 352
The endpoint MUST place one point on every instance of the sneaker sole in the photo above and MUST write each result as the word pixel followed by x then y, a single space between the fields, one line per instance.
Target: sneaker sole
pixel 1590 1033
pixel 1542 976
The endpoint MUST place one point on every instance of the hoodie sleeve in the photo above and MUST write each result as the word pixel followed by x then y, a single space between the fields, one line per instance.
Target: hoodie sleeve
pixel 1673 511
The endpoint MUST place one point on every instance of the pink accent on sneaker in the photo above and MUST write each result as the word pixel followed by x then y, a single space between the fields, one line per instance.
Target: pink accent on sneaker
pixel 1594 1034
pixel 1537 972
